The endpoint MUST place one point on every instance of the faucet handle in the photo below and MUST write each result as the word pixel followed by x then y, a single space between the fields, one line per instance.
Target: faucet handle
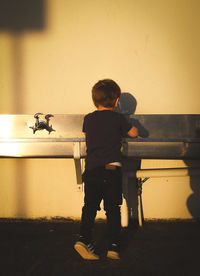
pixel 37 115
pixel 39 125
pixel 48 116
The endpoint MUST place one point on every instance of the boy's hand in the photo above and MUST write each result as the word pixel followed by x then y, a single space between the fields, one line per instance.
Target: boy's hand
pixel 133 132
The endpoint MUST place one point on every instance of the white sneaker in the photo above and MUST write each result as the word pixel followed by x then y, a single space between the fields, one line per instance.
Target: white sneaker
pixel 113 252
pixel 86 251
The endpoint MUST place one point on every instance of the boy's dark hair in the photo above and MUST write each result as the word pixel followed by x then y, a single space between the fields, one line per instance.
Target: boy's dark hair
pixel 105 92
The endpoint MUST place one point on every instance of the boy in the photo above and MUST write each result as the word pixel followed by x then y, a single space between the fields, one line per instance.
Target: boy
pixel 104 129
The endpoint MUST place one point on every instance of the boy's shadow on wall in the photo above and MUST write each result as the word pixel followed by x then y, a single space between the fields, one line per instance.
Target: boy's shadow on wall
pixel 127 106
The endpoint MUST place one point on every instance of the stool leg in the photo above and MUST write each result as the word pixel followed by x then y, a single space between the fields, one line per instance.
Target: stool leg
pixel 140 207
pixel 124 207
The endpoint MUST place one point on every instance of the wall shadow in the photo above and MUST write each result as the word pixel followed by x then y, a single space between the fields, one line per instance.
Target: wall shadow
pixel 18 18
pixel 127 106
pixel 22 15
pixel 21 188
pixel 186 126
pixel 193 201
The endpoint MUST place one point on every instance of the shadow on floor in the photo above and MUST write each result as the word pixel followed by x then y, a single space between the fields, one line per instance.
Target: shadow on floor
pixel 46 248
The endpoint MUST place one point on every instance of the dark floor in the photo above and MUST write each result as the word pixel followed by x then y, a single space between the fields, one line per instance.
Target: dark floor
pixel 46 248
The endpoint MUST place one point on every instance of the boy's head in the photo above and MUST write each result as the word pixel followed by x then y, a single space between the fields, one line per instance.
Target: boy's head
pixel 105 93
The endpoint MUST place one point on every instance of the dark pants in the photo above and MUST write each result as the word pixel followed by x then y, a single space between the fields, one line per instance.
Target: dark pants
pixel 101 183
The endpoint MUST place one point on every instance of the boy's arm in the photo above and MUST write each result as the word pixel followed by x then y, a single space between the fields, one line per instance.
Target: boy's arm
pixel 83 128
pixel 133 132
pixel 127 127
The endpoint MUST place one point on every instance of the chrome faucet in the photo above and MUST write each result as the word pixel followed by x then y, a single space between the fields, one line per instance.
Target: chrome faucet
pixel 39 125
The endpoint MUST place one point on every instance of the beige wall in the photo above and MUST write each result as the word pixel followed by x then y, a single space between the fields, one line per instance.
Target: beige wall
pixel 150 47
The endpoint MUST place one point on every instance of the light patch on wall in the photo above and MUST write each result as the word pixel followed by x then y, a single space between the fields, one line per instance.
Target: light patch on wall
pixel 6 126
pixel 6 148
pixel 166 198
pixel 9 150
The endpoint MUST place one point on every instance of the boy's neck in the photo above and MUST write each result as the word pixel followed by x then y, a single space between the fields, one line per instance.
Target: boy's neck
pixel 100 108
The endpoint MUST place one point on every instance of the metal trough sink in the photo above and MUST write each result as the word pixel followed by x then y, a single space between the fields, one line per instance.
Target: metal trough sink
pixel 60 136
pixel 17 138
pixel 40 136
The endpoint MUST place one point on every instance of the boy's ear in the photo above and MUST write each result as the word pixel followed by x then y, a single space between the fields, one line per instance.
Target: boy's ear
pixel 116 103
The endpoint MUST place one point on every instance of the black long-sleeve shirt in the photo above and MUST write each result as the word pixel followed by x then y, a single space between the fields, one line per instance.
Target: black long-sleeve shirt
pixel 104 131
